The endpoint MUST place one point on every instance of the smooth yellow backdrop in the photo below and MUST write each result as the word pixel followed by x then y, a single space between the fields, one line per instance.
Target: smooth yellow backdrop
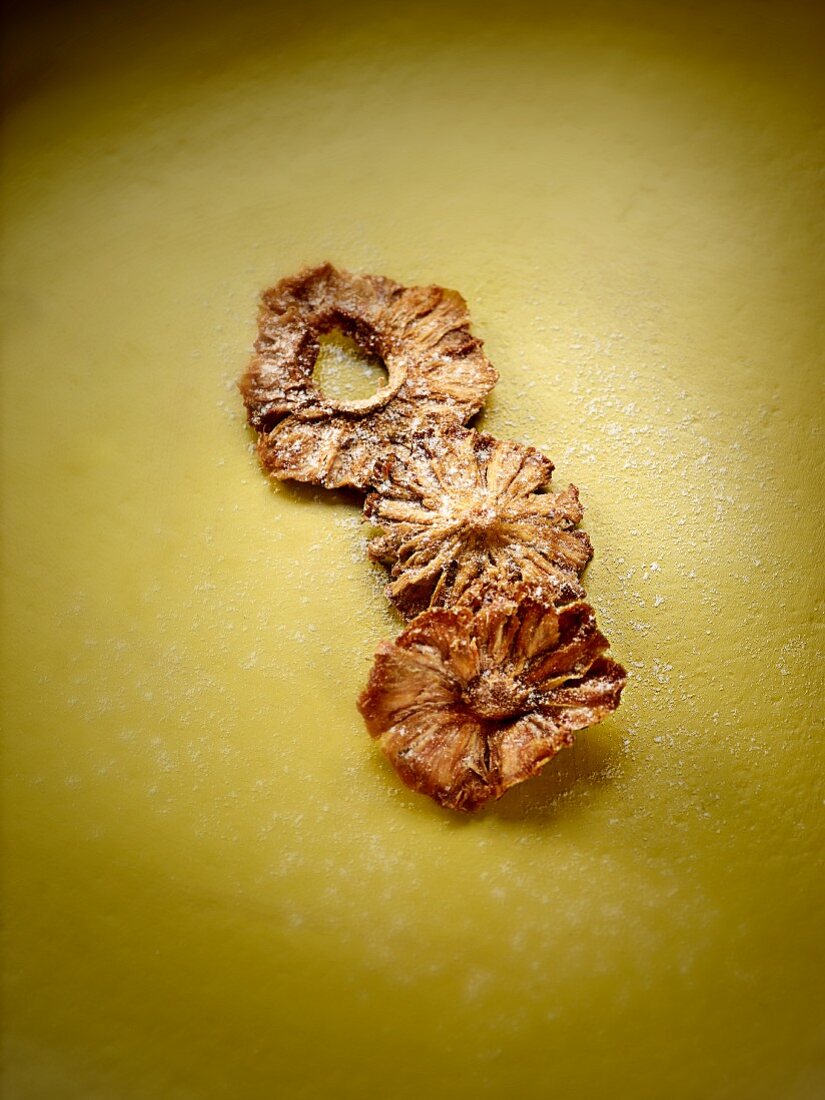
pixel 214 886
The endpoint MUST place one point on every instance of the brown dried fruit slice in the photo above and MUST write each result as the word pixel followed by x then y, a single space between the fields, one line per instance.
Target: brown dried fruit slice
pixel 462 509
pixel 434 366
pixel 466 704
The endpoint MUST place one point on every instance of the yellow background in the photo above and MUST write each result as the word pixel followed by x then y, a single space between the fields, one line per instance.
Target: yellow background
pixel 214 886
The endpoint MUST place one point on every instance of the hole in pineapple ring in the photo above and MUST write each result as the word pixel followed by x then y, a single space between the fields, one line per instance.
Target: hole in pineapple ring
pixel 344 372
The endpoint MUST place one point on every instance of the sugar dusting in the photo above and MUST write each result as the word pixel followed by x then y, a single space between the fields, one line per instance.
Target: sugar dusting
pixel 189 640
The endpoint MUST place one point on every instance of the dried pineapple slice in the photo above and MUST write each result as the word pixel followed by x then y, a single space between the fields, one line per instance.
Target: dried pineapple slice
pixel 435 367
pixel 460 508
pixel 465 703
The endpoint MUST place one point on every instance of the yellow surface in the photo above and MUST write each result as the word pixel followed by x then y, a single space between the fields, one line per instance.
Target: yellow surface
pixel 214 887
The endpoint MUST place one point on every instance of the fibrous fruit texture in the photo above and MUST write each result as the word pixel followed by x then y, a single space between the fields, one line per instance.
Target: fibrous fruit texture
pixel 460 507
pixel 502 660
pixel 435 367
pixel 465 704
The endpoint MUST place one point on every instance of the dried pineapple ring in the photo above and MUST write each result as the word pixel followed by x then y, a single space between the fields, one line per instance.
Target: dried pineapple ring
pixel 434 366
pixel 466 704
pixel 461 510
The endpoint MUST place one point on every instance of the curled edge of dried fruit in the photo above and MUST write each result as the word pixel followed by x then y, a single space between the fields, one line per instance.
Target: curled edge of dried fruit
pixel 465 704
pixel 461 507
pixel 435 368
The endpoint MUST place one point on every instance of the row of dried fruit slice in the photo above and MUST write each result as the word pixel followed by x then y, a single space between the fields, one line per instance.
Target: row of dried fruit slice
pixel 502 660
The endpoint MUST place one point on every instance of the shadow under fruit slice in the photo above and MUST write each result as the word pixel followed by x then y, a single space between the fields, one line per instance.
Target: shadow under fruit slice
pixel 466 704
pixel 435 367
